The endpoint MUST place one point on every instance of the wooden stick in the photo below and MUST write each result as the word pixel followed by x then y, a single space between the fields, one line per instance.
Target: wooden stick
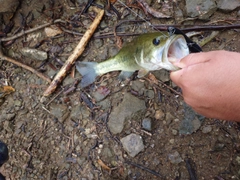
pixel 29 31
pixel 3 57
pixel 76 53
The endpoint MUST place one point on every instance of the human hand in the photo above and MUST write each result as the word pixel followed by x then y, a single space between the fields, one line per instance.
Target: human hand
pixel 210 82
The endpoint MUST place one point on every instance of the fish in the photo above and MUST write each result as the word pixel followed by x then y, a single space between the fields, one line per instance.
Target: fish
pixel 147 52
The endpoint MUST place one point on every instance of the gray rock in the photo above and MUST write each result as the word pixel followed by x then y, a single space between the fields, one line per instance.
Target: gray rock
pixel 138 86
pixel 174 132
pixel 126 108
pixel 34 54
pixel 169 118
pixel 207 129
pixel 100 93
pixel 201 9
pixel 79 112
pixel 132 144
pixel 60 111
pixel 175 157
pixel 228 5
pixel 191 121
pixel 147 124
pixel 162 75
pixel 149 93
pixel 8 5
pixel 7 116
pixel 238 160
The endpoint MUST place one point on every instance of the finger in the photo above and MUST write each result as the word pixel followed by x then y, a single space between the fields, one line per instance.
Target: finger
pixel 194 58
pixel 175 77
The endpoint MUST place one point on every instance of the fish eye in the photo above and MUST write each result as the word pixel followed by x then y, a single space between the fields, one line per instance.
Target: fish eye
pixel 156 41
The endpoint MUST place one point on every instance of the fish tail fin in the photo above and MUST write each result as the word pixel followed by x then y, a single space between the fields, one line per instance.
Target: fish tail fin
pixel 88 72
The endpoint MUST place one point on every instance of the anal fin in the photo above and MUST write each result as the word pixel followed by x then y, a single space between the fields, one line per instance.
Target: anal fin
pixel 124 75
pixel 142 73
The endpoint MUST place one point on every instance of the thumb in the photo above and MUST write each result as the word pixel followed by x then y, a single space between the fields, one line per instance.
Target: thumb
pixel 175 77
pixel 193 58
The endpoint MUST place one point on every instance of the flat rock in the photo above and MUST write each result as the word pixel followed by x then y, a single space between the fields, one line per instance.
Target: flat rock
pixel 175 157
pixel 8 5
pixel 228 5
pixel 60 111
pixel 191 121
pixel 147 124
pixel 132 144
pixel 162 75
pixel 126 108
pixel 201 9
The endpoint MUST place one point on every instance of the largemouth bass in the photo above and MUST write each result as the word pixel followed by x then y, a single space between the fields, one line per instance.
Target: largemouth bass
pixel 147 52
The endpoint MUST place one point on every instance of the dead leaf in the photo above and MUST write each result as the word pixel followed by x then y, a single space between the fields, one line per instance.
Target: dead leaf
pixel 103 165
pixel 152 78
pixel 5 90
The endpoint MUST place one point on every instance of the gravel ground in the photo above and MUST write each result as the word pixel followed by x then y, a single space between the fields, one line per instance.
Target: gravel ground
pixel 109 130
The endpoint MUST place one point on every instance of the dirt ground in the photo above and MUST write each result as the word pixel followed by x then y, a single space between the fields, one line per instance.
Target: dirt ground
pixel 66 136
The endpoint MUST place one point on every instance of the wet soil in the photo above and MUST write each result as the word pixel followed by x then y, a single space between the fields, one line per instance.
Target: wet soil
pixel 66 135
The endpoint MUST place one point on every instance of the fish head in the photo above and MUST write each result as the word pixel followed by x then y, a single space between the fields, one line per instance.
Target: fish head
pixel 160 50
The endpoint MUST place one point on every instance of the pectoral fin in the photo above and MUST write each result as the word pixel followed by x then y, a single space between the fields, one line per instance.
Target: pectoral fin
pixel 142 73
pixel 124 75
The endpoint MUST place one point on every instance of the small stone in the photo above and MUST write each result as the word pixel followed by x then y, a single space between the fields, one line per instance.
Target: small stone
pixel 228 6
pixel 171 141
pixel 60 111
pixel 174 132
pixel 238 159
pixel 147 124
pixel 162 75
pixel 175 157
pixel 34 54
pixel 149 93
pixel 18 103
pixel 207 129
pixel 169 117
pixel 100 93
pixel 159 114
pixel 202 9
pixel 52 31
pixel 133 144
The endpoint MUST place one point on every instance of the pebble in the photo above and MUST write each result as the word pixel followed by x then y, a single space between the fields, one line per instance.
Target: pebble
pixel 171 141
pixel 228 6
pixel 174 132
pixel 205 8
pixel 60 111
pixel 162 75
pixel 238 159
pixel 34 54
pixel 206 129
pixel 132 144
pixel 175 157
pixel 147 124
pixel 52 31
pixel 169 117
pixel 159 114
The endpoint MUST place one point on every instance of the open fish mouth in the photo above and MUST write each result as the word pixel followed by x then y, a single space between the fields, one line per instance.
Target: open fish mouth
pixel 176 48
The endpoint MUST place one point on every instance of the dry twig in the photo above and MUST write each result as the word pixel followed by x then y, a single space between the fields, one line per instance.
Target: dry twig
pixel 76 53
pixel 6 58
pixel 152 11
pixel 30 30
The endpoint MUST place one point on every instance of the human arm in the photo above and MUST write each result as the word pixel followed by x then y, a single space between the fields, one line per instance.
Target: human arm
pixel 210 82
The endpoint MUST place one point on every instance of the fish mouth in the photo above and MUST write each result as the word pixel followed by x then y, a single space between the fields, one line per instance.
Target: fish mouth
pixel 176 48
